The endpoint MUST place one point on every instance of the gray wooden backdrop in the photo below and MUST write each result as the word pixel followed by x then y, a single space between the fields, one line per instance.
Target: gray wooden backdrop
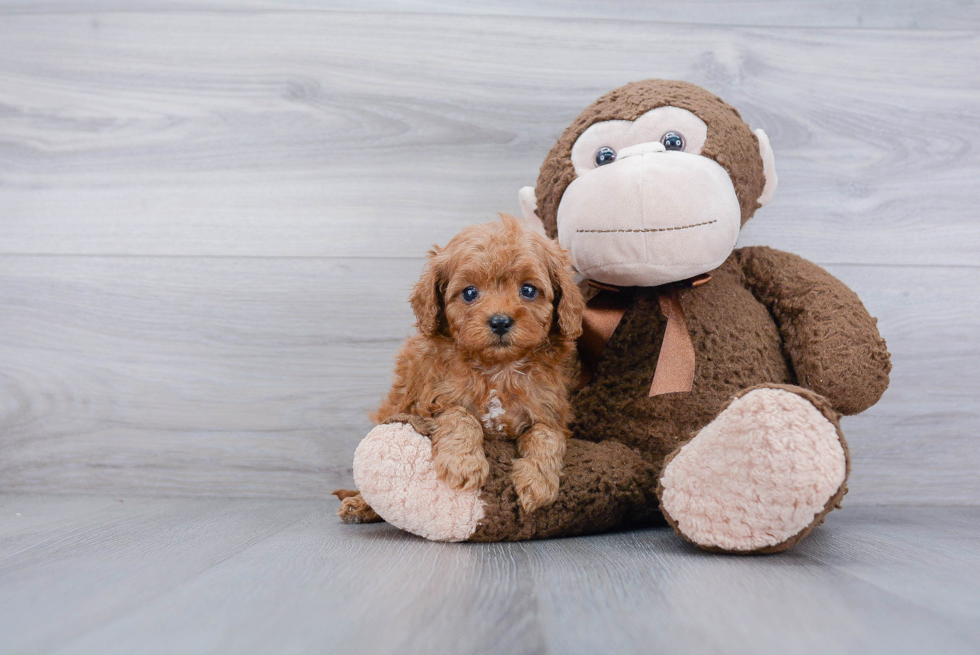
pixel 211 211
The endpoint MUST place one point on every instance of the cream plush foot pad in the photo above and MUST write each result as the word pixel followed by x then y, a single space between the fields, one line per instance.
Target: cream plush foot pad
pixel 393 471
pixel 757 475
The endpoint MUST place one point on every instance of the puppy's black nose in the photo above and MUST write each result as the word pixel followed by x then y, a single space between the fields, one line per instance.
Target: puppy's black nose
pixel 500 323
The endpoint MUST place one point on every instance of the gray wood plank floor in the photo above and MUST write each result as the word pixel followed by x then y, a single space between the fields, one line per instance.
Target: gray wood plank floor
pixel 142 575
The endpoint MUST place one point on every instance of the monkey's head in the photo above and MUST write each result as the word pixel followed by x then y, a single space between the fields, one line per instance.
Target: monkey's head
pixel 651 184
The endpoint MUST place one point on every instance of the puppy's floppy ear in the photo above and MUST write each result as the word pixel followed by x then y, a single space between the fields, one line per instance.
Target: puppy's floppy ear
pixel 568 299
pixel 427 302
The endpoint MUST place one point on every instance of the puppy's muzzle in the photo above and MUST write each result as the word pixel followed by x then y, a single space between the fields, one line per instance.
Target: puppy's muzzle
pixel 500 324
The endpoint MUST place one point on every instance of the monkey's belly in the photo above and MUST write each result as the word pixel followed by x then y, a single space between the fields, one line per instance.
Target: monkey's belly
pixel 737 345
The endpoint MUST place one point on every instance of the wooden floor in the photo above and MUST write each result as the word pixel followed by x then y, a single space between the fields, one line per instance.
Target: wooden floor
pixel 113 575
pixel 211 213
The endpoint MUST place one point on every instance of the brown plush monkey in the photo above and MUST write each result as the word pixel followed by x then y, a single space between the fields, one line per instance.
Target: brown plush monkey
pixel 713 378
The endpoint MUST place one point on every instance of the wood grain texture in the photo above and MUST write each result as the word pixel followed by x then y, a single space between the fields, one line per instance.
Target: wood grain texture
pixel 61 577
pixel 211 211
pixel 194 375
pixel 895 14
pixel 254 377
pixel 330 134
pixel 287 577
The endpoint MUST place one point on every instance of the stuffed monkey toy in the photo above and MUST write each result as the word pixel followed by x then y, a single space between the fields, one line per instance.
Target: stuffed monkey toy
pixel 713 379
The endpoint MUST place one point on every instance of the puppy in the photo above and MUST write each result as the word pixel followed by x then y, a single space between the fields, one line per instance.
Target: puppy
pixel 498 313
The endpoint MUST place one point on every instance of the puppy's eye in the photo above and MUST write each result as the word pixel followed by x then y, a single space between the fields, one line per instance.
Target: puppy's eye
pixel 672 141
pixel 529 291
pixel 470 293
pixel 604 155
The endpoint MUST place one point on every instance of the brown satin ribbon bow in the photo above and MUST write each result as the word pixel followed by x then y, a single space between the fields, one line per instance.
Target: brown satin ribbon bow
pixel 604 311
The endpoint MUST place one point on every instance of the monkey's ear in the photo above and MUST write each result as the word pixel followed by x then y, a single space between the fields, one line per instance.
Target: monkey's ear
pixel 529 207
pixel 768 168
pixel 426 297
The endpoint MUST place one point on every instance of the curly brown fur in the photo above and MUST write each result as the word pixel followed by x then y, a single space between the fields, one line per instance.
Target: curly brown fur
pixel 354 509
pixel 474 383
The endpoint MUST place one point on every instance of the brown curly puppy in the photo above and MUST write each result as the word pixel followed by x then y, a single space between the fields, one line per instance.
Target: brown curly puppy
pixel 498 315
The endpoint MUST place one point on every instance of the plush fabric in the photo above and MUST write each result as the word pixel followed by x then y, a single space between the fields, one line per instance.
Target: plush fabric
pixel 730 142
pixel 394 473
pixel 712 489
pixel 768 167
pixel 648 128
pixel 604 485
pixel 752 458
pixel 654 233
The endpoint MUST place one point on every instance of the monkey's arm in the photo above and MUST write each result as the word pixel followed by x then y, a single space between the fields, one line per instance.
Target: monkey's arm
pixel 831 340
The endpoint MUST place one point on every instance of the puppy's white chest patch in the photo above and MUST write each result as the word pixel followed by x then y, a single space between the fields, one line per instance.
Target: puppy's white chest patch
pixel 493 420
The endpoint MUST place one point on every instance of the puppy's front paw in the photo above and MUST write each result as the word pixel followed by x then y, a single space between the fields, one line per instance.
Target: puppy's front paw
pixel 466 471
pixel 536 483
pixel 354 509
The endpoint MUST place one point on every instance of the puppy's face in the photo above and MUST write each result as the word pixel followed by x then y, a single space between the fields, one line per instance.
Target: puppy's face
pixel 499 304
pixel 498 291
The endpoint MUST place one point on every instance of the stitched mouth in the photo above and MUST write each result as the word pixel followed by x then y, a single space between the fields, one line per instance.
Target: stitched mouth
pixel 652 229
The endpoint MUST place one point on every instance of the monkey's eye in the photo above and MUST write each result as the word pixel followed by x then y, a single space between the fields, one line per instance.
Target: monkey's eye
pixel 604 155
pixel 470 293
pixel 529 291
pixel 672 141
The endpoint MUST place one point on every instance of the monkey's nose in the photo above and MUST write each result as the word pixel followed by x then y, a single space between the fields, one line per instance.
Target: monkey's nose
pixel 641 148
pixel 500 323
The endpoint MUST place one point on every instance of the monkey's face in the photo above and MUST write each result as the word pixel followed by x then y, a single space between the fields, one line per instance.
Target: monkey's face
pixel 644 192
pixel 646 208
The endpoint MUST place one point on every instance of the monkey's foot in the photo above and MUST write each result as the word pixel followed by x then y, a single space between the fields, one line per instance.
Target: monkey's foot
pixel 393 471
pixel 760 476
